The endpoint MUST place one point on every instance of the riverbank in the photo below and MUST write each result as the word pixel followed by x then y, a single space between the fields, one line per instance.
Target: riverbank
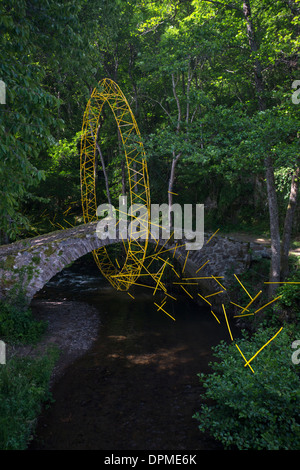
pixel 72 327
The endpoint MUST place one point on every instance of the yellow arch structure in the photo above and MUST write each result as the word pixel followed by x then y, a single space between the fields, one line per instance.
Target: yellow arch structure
pixel 109 92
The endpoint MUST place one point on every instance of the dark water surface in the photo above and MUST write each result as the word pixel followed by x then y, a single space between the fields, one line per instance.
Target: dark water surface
pixel 137 388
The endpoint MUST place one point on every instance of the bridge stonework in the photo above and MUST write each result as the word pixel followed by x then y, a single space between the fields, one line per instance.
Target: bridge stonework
pixel 31 263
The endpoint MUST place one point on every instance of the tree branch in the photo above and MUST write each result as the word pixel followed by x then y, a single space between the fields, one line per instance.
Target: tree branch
pixel 102 161
pixel 158 102
pixel 177 103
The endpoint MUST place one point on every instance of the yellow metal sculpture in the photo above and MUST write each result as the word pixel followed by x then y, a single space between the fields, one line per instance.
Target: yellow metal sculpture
pixel 122 278
pixel 109 92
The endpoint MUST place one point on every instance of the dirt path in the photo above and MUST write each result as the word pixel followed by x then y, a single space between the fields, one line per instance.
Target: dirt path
pixel 246 237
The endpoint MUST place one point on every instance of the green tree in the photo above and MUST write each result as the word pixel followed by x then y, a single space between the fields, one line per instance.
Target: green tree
pixel 253 410
pixel 34 41
pixel 264 38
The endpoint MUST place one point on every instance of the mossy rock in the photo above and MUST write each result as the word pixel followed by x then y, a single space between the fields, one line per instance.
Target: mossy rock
pixel 9 262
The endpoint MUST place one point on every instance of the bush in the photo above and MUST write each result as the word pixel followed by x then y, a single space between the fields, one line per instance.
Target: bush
pixel 24 386
pixel 17 324
pixel 253 411
pixel 290 300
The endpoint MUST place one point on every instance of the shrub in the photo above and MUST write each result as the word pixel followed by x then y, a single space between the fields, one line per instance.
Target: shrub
pixel 290 300
pixel 253 411
pixel 17 324
pixel 24 386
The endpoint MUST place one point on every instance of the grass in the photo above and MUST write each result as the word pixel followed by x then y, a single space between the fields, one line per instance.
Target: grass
pixel 24 381
pixel 24 387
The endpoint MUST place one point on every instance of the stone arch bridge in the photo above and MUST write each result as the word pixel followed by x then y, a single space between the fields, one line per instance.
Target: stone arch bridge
pixel 32 262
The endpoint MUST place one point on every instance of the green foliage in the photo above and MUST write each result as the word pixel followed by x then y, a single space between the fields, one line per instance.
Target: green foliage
pixel 253 411
pixel 202 46
pixel 24 386
pixel 290 297
pixel 62 183
pixel 26 118
pixel 17 324
pixel 35 38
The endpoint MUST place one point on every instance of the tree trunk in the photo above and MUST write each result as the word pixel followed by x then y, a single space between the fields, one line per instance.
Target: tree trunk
pixel 105 173
pixel 123 170
pixel 269 171
pixel 103 165
pixel 171 184
pixel 96 169
pixel 274 226
pixel 175 157
pixel 258 78
pixel 123 178
pixel 288 224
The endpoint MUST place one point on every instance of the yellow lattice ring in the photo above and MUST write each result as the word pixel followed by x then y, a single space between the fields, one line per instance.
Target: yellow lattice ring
pixel 109 92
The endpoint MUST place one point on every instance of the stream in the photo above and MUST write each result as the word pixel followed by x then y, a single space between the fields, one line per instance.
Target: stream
pixel 137 387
